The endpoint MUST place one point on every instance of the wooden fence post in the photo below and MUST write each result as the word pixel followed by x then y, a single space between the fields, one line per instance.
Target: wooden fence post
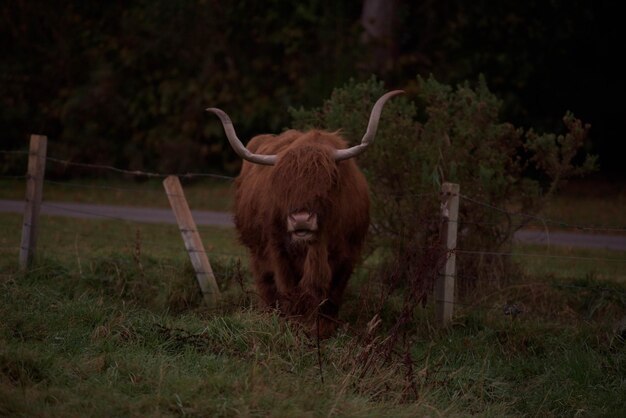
pixel 34 191
pixel 444 285
pixel 191 238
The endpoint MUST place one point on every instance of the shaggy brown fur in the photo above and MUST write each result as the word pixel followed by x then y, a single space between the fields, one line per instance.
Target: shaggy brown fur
pixel 302 278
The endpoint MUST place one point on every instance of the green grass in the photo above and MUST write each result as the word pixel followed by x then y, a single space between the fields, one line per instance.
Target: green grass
pixel 207 194
pixel 590 202
pixel 70 239
pixel 565 262
pixel 76 346
pixel 109 322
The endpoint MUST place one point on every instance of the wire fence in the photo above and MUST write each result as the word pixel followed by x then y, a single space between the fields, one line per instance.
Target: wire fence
pixel 542 221
pixel 188 175
pixel 137 173
pixel 132 238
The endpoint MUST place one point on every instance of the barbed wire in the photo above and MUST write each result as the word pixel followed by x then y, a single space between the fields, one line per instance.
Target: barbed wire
pixel 544 221
pixel 424 193
pixel 161 192
pixel 405 194
pixel 139 173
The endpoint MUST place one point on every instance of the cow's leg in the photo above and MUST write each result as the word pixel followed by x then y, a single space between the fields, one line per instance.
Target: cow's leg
pixel 264 282
pixel 285 278
pixel 326 322
pixel 341 275
pixel 266 289
pixel 317 300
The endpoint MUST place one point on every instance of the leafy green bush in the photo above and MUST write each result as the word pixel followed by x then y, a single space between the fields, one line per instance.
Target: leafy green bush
pixel 450 134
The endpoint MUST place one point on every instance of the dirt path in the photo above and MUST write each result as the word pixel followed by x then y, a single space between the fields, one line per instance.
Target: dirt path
pixel 203 217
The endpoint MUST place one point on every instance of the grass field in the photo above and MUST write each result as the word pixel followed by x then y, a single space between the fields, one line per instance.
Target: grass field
pixel 207 194
pixel 109 322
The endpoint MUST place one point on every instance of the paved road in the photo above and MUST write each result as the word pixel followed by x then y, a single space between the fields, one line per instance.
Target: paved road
pixel 572 239
pixel 202 217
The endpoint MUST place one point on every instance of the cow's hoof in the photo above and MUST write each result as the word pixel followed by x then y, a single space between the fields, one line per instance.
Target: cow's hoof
pixel 322 327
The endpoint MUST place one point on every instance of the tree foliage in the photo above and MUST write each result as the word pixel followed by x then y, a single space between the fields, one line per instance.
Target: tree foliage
pixel 126 82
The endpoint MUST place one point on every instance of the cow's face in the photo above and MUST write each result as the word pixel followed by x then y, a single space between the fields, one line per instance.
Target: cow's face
pixel 304 181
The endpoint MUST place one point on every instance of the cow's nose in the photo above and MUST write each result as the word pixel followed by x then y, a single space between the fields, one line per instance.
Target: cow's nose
pixel 301 217
pixel 302 221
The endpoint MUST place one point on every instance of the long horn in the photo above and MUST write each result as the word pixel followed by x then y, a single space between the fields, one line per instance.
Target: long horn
pixel 236 143
pixel 370 133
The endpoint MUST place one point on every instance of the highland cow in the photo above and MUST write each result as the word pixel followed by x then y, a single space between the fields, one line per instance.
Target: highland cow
pixel 302 210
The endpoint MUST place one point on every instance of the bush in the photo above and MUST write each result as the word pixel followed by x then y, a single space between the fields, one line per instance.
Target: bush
pixel 450 134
